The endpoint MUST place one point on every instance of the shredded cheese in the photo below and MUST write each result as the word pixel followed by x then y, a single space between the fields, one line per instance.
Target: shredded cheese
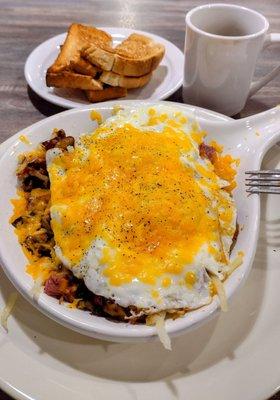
pixel 24 139
pixel 116 109
pixel 220 292
pixel 159 321
pixel 6 312
pixel 36 289
pixel 235 263
pixel 96 116
pixel 74 303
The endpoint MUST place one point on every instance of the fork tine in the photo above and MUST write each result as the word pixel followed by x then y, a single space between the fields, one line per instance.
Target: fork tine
pixel 263 181
pixel 264 172
pixel 263 178
pixel 268 183
pixel 263 190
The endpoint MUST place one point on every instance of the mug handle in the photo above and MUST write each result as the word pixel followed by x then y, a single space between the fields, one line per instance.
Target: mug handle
pixel 270 39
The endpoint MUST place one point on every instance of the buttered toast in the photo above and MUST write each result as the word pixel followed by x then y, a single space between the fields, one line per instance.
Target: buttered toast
pixel 71 80
pixel 136 56
pixel 78 37
pixel 88 61
pixel 128 82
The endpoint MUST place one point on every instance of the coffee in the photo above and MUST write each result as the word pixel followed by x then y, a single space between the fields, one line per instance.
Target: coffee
pixel 228 30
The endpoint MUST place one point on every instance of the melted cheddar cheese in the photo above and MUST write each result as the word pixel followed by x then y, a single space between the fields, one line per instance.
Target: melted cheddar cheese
pixel 131 190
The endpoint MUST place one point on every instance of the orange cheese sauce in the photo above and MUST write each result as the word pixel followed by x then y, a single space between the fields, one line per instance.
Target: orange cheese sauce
pixel 132 191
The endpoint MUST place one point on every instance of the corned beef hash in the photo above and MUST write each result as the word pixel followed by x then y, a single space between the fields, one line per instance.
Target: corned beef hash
pixel 133 222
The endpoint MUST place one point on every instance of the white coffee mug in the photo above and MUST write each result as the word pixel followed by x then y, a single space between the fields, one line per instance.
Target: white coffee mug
pixel 222 44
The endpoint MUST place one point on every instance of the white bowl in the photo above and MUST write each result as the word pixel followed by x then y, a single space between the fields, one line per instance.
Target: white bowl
pixel 247 139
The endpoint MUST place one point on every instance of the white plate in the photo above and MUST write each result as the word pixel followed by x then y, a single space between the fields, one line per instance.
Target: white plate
pixel 233 356
pixel 165 81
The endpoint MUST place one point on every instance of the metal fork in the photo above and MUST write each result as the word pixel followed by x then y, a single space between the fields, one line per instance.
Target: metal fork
pixel 263 181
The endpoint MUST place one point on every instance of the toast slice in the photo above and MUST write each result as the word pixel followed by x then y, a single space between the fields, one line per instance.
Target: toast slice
pixel 128 82
pixel 83 67
pixel 136 56
pixel 72 80
pixel 78 37
pixel 102 56
pixel 108 93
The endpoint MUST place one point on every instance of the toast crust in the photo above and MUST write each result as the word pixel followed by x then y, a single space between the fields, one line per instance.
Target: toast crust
pixel 134 68
pixel 72 80
pixel 128 82
pixel 108 93
pixel 78 37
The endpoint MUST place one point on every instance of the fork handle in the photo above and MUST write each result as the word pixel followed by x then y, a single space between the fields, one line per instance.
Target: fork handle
pixel 270 39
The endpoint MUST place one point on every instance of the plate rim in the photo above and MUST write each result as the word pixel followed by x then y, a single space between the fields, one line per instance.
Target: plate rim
pixel 70 104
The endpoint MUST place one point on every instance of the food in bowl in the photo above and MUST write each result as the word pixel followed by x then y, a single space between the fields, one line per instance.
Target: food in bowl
pixel 134 222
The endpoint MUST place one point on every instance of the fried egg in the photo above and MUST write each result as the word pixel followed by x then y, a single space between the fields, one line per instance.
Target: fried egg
pixel 138 214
